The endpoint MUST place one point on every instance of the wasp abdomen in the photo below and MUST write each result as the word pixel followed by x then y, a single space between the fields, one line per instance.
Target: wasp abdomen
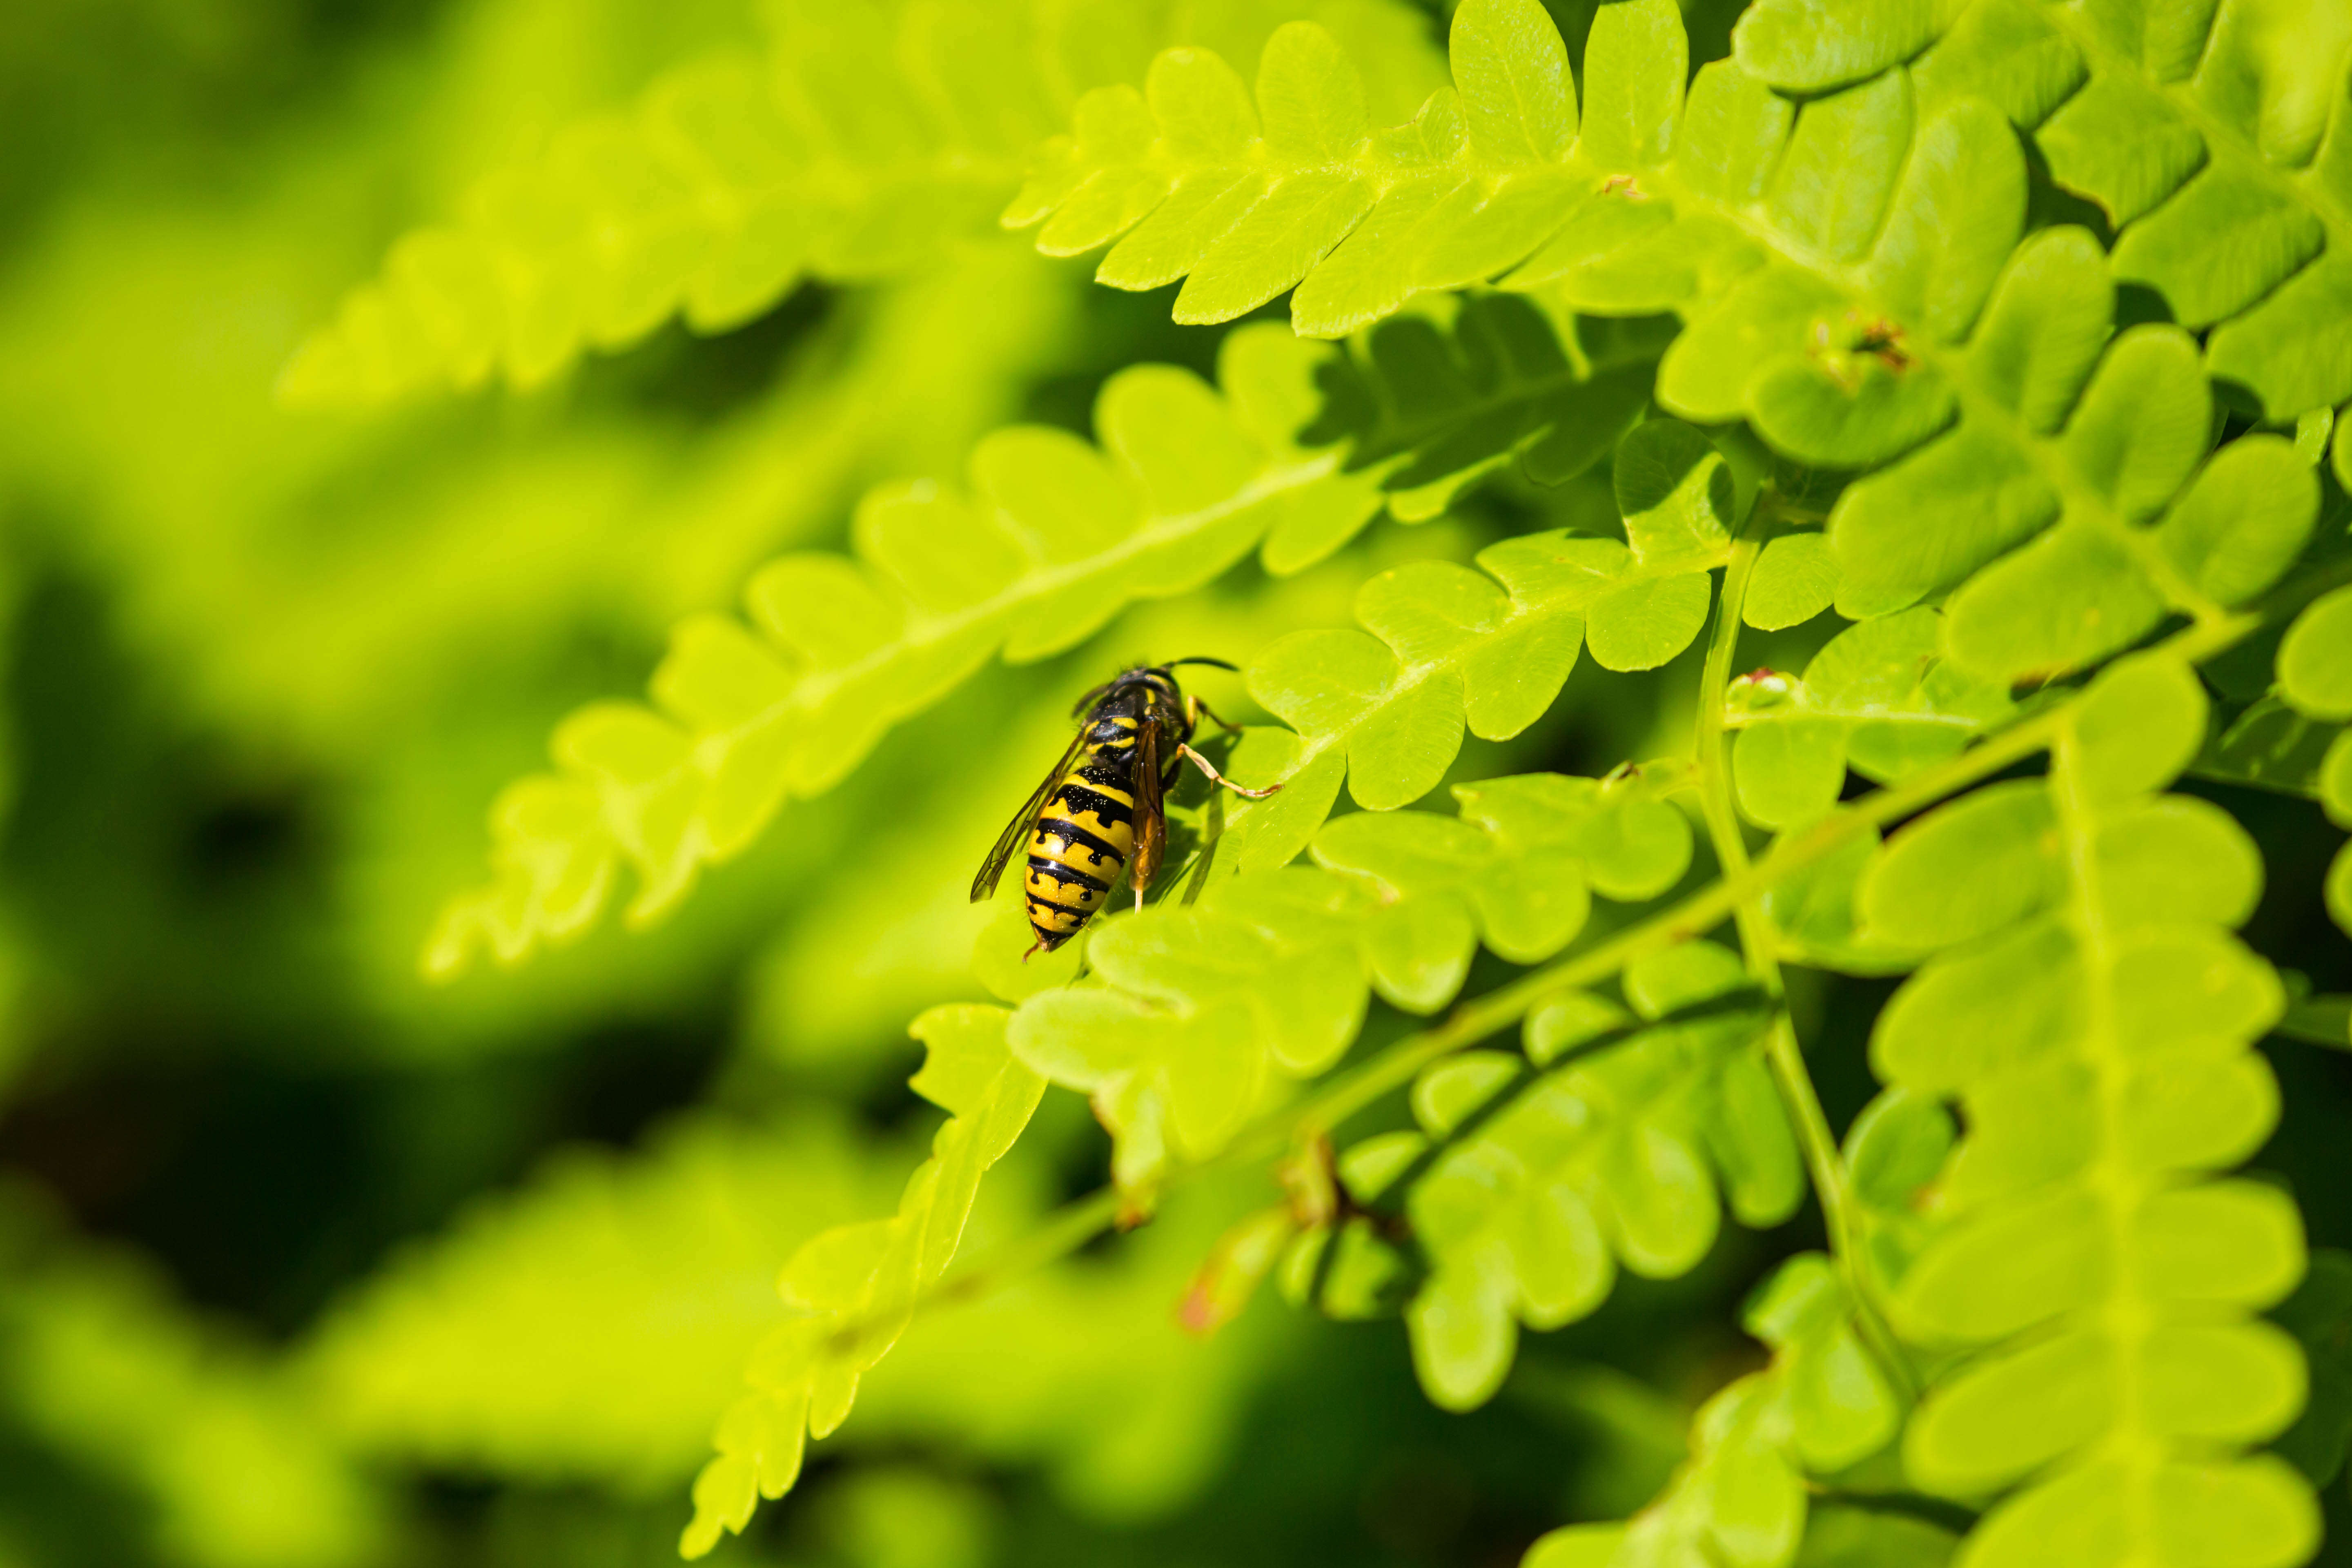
pixel 1084 836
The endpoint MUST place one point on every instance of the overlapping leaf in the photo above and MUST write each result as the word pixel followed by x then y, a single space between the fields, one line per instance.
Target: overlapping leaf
pixel 1193 1011
pixel 1647 206
pixel 1821 1406
pixel 2315 682
pixel 2092 1013
pixel 853 1289
pixel 2213 135
pixel 1821 257
pixel 867 138
pixel 1502 380
pixel 1878 699
pixel 1531 1179
pixel 2074 504
pixel 1444 648
pixel 1056 538
pixel 1846 271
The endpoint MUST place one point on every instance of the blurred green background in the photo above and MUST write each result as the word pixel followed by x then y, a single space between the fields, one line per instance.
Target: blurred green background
pixel 305 1263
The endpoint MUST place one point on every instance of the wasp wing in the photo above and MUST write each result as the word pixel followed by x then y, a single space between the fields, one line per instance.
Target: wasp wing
pixel 1024 822
pixel 1150 813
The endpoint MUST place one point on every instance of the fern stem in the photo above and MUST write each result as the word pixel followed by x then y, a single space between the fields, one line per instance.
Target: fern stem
pixel 1712 905
pixel 1783 1052
pixel 1069 1228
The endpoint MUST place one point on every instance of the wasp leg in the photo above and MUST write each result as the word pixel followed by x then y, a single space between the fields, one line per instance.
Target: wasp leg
pixel 1201 707
pixel 1216 777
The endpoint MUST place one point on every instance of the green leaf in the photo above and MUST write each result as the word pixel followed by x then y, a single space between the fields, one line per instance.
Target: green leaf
pixel 1817 915
pixel 2198 128
pixel 1806 46
pixel 2314 662
pixel 852 1290
pixel 1675 491
pixel 1055 539
pixel 1435 409
pixel 734 177
pixel 1538 1184
pixel 2272 745
pixel 1511 72
pixel 1192 1012
pixel 2242 520
pixel 2096 1022
pixel 1795 579
pixel 1864 1537
pixel 444 1356
pixel 2319 1316
pixel 1818 1406
pixel 2100 579
pixel 214 1451
pixel 1649 210
pixel 1446 648
pixel 1878 697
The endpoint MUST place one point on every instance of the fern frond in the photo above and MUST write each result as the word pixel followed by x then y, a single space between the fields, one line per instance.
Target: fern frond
pixel 852 1290
pixel 869 138
pixel 1531 1179
pixel 1817 256
pixel 1821 1406
pixel 2213 137
pixel 1056 540
pixel 1192 1011
pixel 1878 698
pixel 1444 648
pixel 1846 271
pixel 2089 1010
pixel 444 1357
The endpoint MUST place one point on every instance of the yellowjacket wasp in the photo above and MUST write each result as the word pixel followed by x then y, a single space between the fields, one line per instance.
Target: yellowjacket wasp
pixel 1103 802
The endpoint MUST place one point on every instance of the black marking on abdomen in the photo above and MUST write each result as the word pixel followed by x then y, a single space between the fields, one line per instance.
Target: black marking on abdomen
pixel 1075 837
pixel 1081 800
pixel 1111 772
pixel 1065 875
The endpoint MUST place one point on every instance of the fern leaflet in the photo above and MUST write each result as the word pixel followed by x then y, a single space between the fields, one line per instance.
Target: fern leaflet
pixel 1878 698
pixel 852 1289
pixel 868 140
pixel 1528 1182
pixel 1385 708
pixel 1501 381
pixel 1821 1406
pixel 2315 680
pixel 2210 134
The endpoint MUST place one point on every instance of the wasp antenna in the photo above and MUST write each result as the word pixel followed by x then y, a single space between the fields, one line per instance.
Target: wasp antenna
pixel 1217 663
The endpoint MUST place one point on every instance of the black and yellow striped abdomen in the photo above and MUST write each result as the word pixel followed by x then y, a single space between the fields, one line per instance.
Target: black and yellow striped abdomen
pixel 1084 835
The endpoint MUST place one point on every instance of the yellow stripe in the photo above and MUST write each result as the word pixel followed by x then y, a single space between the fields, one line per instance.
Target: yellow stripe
pixel 1053 892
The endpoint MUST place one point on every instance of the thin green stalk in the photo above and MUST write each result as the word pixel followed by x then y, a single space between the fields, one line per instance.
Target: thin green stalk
pixel 1070 1227
pixel 1758 943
